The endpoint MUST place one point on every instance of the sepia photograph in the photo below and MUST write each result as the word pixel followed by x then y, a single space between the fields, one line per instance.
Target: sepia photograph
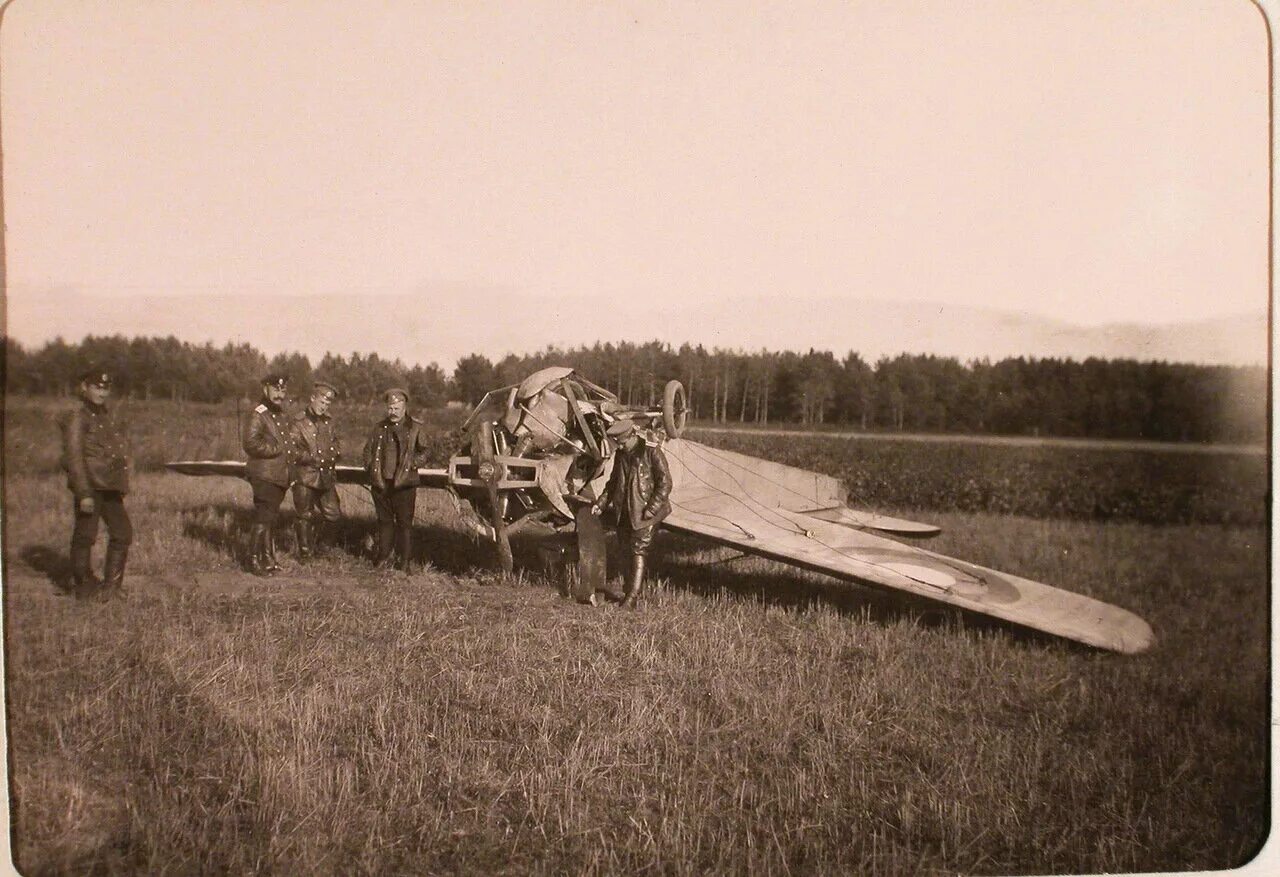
pixel 637 437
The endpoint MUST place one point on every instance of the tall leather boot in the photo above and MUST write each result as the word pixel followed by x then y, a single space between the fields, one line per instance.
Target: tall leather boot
pixel 273 565
pixel 302 532
pixel 82 576
pixel 404 549
pixel 256 561
pixel 636 582
pixel 386 538
pixel 113 571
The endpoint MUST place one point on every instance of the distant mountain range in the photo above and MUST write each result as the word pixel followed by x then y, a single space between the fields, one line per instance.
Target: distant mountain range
pixel 443 326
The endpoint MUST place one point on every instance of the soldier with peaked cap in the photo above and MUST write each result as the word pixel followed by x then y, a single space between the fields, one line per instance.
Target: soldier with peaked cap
pixel 316 449
pixel 638 495
pixel 267 441
pixel 392 456
pixel 96 457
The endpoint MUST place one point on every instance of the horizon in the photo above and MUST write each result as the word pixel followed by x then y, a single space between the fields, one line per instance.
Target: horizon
pixel 314 357
pixel 447 329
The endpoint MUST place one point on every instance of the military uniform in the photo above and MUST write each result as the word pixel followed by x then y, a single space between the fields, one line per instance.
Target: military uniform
pixel 97 462
pixel 267 440
pixel 391 456
pixel 316 449
pixel 638 496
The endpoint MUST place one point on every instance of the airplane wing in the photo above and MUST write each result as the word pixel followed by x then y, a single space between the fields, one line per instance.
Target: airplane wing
pixel 798 490
pixel 755 506
pixel 860 520
pixel 346 474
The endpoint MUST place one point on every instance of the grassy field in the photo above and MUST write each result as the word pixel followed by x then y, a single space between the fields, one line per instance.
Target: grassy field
pixel 161 431
pixel 744 719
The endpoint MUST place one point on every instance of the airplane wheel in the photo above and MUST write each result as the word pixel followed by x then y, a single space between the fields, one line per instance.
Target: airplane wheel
pixel 675 409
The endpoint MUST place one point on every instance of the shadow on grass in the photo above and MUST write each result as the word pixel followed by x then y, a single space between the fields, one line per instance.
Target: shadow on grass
pixel 684 563
pixel 452 551
pixel 687 564
pixel 225 527
pixel 52 563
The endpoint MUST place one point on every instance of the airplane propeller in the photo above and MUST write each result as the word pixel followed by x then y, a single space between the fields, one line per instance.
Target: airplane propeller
pixel 490 471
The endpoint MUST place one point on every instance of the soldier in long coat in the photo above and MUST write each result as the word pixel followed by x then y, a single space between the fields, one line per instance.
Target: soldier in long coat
pixel 316 449
pixel 96 458
pixel 267 441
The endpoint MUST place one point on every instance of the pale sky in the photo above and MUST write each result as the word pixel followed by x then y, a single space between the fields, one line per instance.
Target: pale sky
pixel 1086 161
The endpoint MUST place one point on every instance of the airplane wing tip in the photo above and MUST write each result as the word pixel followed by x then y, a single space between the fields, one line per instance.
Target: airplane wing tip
pixel 207 467
pixel 1143 639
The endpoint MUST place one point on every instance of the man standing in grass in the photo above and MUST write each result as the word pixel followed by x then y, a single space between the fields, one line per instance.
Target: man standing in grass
pixel 392 455
pixel 96 457
pixel 638 495
pixel 316 450
pixel 267 442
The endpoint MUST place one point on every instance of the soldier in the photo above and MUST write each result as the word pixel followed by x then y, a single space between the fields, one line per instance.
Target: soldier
pixel 392 455
pixel 96 457
pixel 315 488
pixel 638 495
pixel 267 441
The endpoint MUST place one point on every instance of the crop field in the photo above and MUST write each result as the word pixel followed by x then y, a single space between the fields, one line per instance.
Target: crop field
pixel 745 718
pixel 844 431
pixel 1099 482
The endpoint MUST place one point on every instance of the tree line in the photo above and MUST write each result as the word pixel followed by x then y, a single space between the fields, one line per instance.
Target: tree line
pixel 166 368
pixel 1094 398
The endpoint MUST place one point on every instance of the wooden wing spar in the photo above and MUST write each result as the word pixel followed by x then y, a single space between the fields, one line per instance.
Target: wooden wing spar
pixel 768 509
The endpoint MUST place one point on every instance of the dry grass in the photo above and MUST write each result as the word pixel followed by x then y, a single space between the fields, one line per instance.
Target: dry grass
pixel 745 719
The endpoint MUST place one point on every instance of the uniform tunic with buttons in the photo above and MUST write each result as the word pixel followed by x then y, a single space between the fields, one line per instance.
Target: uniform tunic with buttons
pixel 316 449
pixel 95 451
pixel 391 456
pixel 267 441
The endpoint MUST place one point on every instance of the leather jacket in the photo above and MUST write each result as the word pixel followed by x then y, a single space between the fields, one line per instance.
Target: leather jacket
pixel 393 452
pixel 316 449
pixel 266 440
pixel 640 487
pixel 95 451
